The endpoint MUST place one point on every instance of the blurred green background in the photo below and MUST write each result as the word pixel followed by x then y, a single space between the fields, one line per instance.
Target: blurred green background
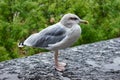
pixel 20 18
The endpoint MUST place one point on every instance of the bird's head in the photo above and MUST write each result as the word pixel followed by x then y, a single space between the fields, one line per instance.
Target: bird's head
pixel 71 19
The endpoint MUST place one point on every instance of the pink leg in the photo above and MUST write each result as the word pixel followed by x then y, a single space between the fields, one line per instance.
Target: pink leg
pixel 60 66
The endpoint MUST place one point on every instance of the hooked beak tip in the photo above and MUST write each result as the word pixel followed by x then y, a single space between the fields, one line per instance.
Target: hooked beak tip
pixel 84 21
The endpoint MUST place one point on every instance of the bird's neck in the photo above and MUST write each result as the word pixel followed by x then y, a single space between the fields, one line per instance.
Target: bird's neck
pixel 68 25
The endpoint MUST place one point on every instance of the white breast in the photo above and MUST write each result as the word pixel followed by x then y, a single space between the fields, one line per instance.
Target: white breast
pixel 73 35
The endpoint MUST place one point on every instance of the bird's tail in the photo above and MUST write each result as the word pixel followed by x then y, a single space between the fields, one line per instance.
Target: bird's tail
pixel 21 44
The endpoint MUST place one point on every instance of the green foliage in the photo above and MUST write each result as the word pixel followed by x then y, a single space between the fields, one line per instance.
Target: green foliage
pixel 4 55
pixel 19 19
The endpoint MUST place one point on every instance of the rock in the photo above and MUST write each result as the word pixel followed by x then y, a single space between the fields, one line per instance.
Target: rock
pixel 96 61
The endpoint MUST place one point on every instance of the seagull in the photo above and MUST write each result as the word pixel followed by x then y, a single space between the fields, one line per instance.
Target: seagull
pixel 57 36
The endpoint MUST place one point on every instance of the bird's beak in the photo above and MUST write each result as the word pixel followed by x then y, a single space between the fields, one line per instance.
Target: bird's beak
pixel 84 21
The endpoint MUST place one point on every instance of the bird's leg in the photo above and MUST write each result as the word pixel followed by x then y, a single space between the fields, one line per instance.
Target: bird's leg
pixel 60 66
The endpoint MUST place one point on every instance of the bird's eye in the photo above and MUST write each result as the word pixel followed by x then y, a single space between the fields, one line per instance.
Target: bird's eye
pixel 73 18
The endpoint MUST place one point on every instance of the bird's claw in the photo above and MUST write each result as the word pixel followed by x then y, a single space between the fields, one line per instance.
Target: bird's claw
pixel 60 66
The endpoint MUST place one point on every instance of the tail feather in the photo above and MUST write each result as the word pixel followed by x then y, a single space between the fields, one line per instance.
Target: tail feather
pixel 21 44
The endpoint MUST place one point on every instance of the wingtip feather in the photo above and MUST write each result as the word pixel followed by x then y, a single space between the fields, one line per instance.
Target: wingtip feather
pixel 20 44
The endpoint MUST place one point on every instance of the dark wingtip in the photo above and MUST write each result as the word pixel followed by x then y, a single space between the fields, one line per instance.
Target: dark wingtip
pixel 20 44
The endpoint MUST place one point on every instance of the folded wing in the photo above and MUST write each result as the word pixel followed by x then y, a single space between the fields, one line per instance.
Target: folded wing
pixel 50 35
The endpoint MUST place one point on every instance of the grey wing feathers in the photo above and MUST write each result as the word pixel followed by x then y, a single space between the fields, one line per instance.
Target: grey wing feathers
pixel 47 36
pixel 30 41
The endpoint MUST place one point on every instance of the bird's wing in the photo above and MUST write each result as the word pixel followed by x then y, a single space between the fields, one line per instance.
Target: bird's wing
pixel 50 35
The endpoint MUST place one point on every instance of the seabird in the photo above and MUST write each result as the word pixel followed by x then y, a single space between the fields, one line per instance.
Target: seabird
pixel 58 36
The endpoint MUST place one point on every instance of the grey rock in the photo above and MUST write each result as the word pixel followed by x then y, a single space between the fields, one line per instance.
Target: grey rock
pixel 96 61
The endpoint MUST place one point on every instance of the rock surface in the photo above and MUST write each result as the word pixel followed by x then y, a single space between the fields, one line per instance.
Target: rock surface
pixel 96 61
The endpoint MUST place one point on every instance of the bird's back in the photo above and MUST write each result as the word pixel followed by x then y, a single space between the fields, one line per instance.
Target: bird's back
pixel 50 35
